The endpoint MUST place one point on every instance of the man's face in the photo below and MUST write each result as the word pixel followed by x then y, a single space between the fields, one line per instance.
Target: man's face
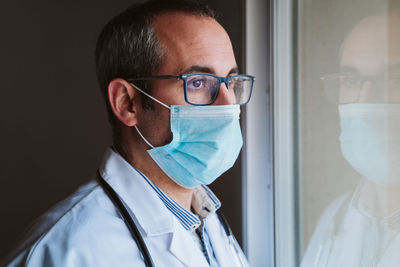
pixel 372 53
pixel 191 44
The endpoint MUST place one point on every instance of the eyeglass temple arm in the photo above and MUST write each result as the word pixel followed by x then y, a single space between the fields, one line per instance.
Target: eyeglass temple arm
pixel 154 78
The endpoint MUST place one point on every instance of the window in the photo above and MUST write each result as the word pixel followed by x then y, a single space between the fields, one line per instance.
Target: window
pixel 349 126
pixel 323 134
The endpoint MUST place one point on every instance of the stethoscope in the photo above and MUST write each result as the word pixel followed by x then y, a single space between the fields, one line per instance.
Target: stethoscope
pixel 130 224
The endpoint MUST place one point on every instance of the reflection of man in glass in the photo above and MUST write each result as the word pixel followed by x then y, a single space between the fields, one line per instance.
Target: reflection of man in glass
pixel 363 228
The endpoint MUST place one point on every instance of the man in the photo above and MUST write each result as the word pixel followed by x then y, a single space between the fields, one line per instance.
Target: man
pixel 171 84
pixel 362 228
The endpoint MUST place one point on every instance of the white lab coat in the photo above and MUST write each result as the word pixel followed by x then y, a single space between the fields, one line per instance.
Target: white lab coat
pixel 86 230
pixel 349 237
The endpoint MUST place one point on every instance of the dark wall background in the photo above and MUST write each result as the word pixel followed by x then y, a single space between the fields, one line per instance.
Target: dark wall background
pixel 53 126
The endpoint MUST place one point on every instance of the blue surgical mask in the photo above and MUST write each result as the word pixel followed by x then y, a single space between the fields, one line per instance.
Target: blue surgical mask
pixel 206 142
pixel 370 140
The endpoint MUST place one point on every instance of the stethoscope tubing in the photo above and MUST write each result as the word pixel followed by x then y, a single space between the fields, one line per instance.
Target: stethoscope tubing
pixel 123 210
pixel 127 219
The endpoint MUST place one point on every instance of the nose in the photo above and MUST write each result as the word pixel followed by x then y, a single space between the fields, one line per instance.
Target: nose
pixel 225 96
pixel 369 93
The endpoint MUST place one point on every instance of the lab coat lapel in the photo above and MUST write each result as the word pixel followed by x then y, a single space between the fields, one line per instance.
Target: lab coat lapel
pixel 391 256
pixel 185 249
pixel 146 207
pixel 220 242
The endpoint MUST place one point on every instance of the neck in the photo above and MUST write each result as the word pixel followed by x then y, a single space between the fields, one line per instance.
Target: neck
pixel 142 161
pixel 379 200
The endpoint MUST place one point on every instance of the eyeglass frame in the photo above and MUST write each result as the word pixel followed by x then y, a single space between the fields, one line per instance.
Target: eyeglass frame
pixel 362 78
pixel 184 77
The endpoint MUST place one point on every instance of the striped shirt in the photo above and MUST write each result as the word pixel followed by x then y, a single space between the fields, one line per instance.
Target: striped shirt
pixel 204 202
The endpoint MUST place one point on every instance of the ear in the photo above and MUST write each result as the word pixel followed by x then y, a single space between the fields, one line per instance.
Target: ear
pixel 123 98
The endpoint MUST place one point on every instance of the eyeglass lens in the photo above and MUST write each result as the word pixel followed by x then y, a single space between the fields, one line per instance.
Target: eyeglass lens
pixel 203 89
pixel 347 88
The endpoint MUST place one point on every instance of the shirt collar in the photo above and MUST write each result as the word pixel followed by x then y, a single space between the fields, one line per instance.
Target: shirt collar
pixel 391 221
pixel 204 203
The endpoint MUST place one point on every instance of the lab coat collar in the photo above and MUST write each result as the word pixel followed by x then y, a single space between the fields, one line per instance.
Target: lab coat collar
pixel 183 247
pixel 391 221
pixel 148 209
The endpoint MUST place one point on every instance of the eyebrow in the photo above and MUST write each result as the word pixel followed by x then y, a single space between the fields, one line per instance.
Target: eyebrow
pixel 391 67
pixel 204 69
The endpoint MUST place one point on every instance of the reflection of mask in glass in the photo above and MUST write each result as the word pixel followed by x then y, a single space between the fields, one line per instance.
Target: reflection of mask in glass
pixel 370 140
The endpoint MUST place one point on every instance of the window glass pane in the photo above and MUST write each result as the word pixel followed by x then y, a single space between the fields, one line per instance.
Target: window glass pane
pixel 349 132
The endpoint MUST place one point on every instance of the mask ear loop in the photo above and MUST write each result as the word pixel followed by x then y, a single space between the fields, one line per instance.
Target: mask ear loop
pixel 158 101
pixel 146 94
pixel 144 139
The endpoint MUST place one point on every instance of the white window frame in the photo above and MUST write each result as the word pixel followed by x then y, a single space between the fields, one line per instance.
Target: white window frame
pixel 269 176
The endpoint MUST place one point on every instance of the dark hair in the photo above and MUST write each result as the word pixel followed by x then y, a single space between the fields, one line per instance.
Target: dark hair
pixel 128 46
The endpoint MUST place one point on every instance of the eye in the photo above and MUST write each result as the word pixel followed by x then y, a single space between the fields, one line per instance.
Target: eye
pixel 350 81
pixel 197 83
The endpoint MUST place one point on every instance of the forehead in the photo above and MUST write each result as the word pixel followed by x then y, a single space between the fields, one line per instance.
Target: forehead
pixel 374 44
pixel 193 40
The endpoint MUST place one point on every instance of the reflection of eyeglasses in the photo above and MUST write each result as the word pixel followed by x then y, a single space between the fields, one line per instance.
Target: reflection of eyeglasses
pixel 345 88
pixel 202 89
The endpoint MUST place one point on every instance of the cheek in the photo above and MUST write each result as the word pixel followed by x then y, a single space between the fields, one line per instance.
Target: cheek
pixel 164 128
pixel 170 92
pixel 157 126
pixel 394 91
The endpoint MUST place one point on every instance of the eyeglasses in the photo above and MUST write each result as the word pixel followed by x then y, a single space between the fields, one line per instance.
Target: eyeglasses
pixel 201 89
pixel 345 88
